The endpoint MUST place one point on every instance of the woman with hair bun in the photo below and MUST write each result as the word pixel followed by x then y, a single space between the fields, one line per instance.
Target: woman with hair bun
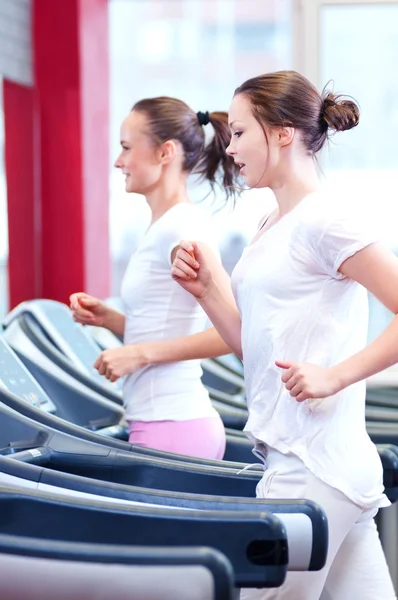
pixel 298 316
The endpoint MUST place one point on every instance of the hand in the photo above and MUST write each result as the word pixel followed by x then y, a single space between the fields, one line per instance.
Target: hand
pixel 191 268
pixel 117 362
pixel 88 310
pixel 305 380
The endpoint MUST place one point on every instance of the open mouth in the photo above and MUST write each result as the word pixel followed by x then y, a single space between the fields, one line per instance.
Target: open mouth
pixel 241 167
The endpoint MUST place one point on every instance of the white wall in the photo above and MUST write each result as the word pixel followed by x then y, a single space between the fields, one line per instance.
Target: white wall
pixel 16 62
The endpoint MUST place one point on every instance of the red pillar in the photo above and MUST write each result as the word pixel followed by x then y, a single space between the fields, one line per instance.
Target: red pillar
pixel 71 77
pixel 23 199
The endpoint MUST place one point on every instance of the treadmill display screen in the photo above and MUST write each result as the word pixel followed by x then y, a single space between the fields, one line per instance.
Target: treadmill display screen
pixel 71 338
pixel 16 379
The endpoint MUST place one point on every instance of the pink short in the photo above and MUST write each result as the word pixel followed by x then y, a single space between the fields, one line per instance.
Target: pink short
pixel 204 438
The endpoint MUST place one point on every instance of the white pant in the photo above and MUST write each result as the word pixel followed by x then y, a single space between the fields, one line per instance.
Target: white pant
pixel 356 568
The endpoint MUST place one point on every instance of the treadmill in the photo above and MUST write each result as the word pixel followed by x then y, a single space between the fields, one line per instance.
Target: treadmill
pixel 255 543
pixel 89 571
pixel 56 463
pixel 63 411
pixel 61 353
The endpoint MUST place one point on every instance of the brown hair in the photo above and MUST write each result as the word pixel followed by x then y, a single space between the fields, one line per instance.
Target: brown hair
pixel 287 99
pixel 172 119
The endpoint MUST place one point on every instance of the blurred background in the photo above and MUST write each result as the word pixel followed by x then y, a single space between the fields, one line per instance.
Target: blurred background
pixel 70 72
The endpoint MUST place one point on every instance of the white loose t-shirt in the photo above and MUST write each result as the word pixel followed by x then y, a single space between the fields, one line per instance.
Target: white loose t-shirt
pixel 296 306
pixel 158 308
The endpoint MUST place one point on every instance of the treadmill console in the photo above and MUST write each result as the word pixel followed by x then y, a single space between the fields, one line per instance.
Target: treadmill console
pixel 56 321
pixel 16 379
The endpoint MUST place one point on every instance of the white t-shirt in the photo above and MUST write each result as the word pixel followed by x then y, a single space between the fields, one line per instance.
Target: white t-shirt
pixel 157 308
pixel 296 306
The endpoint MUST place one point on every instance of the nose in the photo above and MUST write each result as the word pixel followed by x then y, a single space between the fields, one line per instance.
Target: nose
pixel 229 149
pixel 118 162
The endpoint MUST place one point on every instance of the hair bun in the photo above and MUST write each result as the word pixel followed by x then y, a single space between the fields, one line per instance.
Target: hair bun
pixel 339 113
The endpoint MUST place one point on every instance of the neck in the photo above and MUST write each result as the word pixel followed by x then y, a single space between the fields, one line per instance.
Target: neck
pixel 166 195
pixel 302 180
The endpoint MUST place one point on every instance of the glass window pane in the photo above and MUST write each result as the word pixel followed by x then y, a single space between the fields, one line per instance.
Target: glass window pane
pixel 362 61
pixel 198 51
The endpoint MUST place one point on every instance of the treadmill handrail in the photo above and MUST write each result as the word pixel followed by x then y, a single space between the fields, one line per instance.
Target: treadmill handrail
pixel 47 554
pixel 255 542
pixel 55 482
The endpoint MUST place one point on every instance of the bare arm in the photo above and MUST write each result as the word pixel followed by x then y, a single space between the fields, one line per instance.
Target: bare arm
pixel 117 362
pixel 376 268
pixel 222 311
pixel 89 310
pixel 114 321
pixel 205 278
pixel 206 344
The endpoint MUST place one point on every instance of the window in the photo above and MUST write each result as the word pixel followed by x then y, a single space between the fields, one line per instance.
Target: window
pixel 361 61
pixel 198 51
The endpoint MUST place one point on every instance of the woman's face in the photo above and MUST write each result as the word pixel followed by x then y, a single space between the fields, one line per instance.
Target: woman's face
pixel 139 157
pixel 250 146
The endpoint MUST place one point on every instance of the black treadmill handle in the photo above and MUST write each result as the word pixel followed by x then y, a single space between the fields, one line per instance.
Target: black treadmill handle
pixel 98 424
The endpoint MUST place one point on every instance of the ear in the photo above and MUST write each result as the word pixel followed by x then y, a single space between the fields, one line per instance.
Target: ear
pixel 168 150
pixel 285 135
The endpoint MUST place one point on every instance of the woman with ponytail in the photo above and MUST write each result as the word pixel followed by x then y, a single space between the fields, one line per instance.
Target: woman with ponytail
pixel 167 406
